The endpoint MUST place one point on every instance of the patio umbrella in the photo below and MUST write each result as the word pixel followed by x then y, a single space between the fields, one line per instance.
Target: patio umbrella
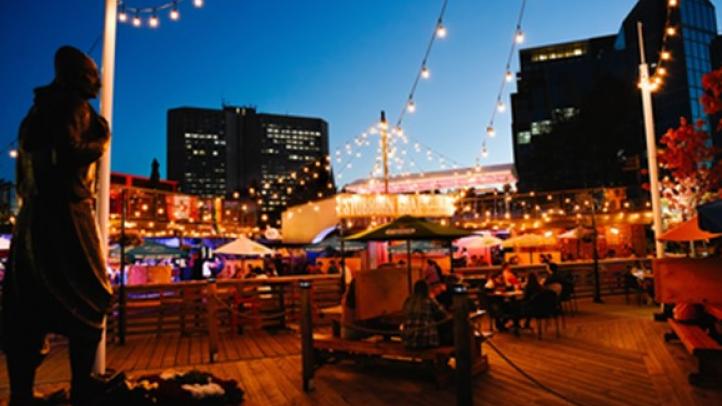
pixel 575 233
pixel 687 231
pixel 244 246
pixel 153 250
pixel 334 243
pixel 710 216
pixel 411 228
pixel 479 241
pixel 528 241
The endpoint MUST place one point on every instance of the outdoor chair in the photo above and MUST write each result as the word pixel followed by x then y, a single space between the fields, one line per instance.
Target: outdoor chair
pixel 543 306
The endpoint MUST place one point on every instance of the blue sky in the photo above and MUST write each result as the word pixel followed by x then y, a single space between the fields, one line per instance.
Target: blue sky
pixel 343 61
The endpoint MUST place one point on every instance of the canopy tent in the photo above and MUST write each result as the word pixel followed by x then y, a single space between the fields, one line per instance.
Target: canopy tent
pixel 243 246
pixel 710 216
pixel 154 250
pixel 411 228
pixel 687 231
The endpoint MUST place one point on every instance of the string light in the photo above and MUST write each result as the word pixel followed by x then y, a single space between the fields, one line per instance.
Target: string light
pixel 665 55
pixel 152 12
pixel 122 15
pixel 519 37
pixel 411 106
pixel 508 77
pixel 441 30
pixel 671 31
pixel 153 21
pixel 13 153
pixel 174 13
pixel 425 73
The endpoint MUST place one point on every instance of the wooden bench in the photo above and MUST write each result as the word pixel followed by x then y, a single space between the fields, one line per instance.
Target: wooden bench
pixel 435 359
pixel 703 347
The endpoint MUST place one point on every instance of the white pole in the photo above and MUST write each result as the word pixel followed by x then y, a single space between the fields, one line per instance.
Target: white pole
pixel 651 144
pixel 106 110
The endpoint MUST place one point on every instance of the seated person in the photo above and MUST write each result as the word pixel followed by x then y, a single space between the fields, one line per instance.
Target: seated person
pixel 421 312
pixel 332 268
pixel 348 314
pixel 531 289
pixel 510 279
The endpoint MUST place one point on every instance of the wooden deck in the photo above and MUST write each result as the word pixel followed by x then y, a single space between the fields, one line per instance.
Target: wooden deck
pixel 608 354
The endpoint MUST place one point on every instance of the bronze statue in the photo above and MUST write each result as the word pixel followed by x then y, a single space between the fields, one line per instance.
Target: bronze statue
pixel 57 280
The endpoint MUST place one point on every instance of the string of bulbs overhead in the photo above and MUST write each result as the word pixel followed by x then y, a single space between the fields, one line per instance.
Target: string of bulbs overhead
pixel 499 105
pixel 135 15
pixel 665 55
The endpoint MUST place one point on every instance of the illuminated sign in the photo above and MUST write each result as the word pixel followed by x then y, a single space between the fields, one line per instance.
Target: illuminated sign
pixel 357 205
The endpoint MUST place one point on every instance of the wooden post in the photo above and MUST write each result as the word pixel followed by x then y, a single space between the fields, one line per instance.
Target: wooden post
pixel 306 335
pixel 211 292
pixel 462 346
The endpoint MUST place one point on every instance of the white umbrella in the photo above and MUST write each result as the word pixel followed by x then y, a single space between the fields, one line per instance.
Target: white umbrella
pixel 528 241
pixel 478 241
pixel 245 247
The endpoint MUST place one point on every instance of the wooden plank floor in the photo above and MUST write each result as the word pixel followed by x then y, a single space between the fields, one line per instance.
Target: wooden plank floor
pixel 610 354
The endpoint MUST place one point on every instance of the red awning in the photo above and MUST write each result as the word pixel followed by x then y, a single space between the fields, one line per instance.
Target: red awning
pixel 687 231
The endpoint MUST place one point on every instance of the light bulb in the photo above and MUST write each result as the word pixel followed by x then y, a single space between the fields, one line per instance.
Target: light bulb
pixel 441 31
pixel 509 76
pixel 174 14
pixel 666 55
pixel 661 71
pixel 411 106
pixel 519 37
pixel 484 152
pixel 153 21
pixel 198 3
pixel 490 131
pixel 425 72
pixel 671 31
pixel 122 17
pixel 500 106
pixel 672 3
pixel 13 153
pixel 137 21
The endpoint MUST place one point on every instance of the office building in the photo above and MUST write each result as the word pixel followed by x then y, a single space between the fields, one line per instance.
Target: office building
pixel 577 114
pixel 274 159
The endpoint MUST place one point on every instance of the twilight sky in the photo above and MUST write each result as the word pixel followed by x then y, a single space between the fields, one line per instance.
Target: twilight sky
pixel 342 61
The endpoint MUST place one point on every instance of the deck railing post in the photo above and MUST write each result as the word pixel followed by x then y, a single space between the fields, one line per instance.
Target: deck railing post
pixel 306 335
pixel 462 346
pixel 211 305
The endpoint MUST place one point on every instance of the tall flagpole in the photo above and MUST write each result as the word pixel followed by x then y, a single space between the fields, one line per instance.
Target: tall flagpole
pixel 106 110
pixel 645 85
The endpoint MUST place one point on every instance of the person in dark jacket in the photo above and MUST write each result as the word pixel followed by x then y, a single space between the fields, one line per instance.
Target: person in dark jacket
pixel 57 280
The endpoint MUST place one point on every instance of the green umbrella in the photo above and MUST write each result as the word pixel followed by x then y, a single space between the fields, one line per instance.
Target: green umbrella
pixel 410 228
pixel 153 250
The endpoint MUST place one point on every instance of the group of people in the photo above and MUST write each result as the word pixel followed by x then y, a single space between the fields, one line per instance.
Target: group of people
pixel 535 288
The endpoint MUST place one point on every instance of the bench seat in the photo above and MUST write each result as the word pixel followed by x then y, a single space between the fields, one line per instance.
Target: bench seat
pixel 707 351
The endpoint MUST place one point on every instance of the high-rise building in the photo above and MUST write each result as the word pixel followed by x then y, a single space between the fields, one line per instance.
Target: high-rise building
pixel 196 150
pixel 577 115
pixel 276 159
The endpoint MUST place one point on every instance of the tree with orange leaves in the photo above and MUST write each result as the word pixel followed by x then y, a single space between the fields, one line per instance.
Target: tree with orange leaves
pixel 690 160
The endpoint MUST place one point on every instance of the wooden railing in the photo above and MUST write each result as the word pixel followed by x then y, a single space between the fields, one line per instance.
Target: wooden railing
pixel 184 307
pixel 611 274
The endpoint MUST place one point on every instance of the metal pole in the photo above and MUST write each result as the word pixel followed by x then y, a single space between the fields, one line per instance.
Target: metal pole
pixel 385 150
pixel 651 143
pixel 106 110
pixel 595 253
pixel 121 293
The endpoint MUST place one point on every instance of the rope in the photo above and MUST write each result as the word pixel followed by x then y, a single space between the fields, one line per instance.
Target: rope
pixel 529 377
